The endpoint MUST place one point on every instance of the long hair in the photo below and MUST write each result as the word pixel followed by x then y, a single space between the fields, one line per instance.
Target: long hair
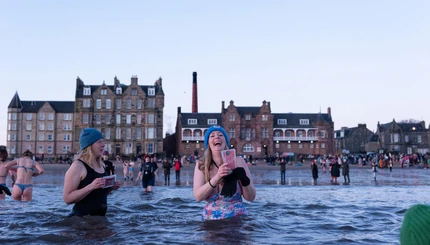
pixel 205 163
pixel 87 156
pixel 3 155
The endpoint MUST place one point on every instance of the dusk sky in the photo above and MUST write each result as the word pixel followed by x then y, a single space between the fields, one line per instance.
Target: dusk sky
pixel 367 60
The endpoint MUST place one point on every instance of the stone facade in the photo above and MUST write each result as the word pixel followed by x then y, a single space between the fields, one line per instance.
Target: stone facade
pixel 352 140
pixel 257 131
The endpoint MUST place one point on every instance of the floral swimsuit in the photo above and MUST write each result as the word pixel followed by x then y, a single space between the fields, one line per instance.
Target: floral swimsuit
pixel 220 207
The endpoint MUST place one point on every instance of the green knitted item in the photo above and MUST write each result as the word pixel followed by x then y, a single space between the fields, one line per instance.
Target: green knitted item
pixel 416 226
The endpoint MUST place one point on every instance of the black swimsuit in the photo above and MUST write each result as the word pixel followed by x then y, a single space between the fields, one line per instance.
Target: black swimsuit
pixel 95 203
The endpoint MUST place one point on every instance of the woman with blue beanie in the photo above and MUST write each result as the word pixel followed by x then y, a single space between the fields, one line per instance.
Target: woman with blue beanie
pixel 221 187
pixel 83 182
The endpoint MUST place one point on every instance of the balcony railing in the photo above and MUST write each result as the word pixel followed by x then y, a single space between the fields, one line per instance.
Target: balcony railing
pixel 285 138
pixel 193 138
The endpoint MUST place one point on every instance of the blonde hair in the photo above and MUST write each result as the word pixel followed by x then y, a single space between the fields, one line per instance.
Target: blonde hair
pixel 205 163
pixel 87 156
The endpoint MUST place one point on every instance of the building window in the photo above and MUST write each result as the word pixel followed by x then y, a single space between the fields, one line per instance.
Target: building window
pixel 322 145
pixel 49 149
pixel 310 134
pixel 50 137
pixel 311 146
pixel 282 121
pixel 66 137
pixel 151 103
pixel 107 118
pixel 14 116
pixel 28 137
pixel 212 122
pixel 128 148
pixel 98 119
pixel 98 104
pixel 13 125
pixel 118 90
pixel 67 117
pixel 41 137
pixel 103 91
pixel 304 121
pixel 87 91
pixel 42 126
pixel 86 103
pixel 50 126
pixel 139 119
pixel 248 148
pixel 264 133
pixel 322 134
pixel 394 138
pixel 41 116
pixel 118 133
pixel 128 133
pixel 40 150
pixel 277 134
pixel 248 133
pixel 12 137
pixel 118 118
pixel 300 134
pixel 231 117
pixel 192 121
pixel 289 146
pixel 107 133
pixel 118 103
pixel 66 149
pixel 85 118
pixel 150 133
pixel 67 127
pixel 28 126
pixel 150 148
pixel 150 119
pixel 50 116
pixel 29 117
pixel 107 103
pixel 300 146
pixel 134 91
pixel 264 117
pixel 419 139
pixel 139 104
pixel 247 117
pixel 138 133
pixel 12 149
pixel 128 119
pixel 151 91
pixel 406 138
pixel 128 104
pixel 231 133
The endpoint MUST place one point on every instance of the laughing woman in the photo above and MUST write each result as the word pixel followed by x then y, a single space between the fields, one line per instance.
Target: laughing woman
pixel 221 187
pixel 25 171
pixel 83 182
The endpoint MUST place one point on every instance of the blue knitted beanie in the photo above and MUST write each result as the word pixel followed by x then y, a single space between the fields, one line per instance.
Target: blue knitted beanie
pixel 88 137
pixel 216 128
pixel 415 227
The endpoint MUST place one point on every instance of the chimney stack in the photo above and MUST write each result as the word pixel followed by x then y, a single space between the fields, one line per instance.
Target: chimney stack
pixel 329 111
pixel 194 106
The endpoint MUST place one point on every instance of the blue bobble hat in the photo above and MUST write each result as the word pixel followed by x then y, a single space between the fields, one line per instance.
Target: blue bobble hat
pixel 415 227
pixel 216 128
pixel 88 137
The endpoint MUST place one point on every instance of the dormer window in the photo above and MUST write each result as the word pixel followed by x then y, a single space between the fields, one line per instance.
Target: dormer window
pixel 304 121
pixel 247 117
pixel 192 121
pixel 87 91
pixel 212 122
pixel 282 121
pixel 103 91
pixel 151 91
pixel 118 90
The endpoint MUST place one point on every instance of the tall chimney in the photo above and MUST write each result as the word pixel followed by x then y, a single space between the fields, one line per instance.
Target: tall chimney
pixel 194 106
pixel 329 111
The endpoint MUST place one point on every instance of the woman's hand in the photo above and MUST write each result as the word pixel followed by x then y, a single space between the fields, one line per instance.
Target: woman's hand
pixel 223 170
pixel 98 183
pixel 116 185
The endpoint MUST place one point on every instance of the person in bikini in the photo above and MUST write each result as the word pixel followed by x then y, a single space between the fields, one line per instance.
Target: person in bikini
pixel 25 171
pixel 221 187
pixel 84 183
pixel 4 173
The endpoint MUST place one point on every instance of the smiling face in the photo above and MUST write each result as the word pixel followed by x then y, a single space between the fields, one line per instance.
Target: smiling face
pixel 217 141
pixel 98 147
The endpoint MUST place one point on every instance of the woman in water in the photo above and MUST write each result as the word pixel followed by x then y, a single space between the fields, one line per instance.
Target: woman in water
pixel 220 186
pixel 25 171
pixel 4 173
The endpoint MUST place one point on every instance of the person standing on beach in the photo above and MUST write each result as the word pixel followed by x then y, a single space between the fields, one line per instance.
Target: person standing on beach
pixel 283 169
pixel 25 171
pixel 110 167
pixel 374 170
pixel 345 170
pixel 178 166
pixel 83 182
pixel 314 168
pixel 166 166
pixel 131 169
pixel 125 169
pixel 148 172
pixel 221 187
pixel 334 169
pixel 4 173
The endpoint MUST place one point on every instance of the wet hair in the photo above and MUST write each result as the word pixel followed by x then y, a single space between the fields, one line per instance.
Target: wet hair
pixel 3 154
pixel 27 153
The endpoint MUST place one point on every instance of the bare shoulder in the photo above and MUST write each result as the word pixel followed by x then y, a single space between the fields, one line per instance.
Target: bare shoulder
pixel 240 162
pixel 77 168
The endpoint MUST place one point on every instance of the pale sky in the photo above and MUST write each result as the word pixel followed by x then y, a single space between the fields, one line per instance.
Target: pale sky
pixel 367 60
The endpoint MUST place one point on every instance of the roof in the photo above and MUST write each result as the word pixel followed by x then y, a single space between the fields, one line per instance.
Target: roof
pixel 202 119
pixel 58 106
pixel 80 89
pixel 293 119
pixel 406 127
pixel 15 102
pixel 243 110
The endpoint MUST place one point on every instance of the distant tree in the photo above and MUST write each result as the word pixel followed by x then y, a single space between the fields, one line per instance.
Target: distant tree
pixel 410 121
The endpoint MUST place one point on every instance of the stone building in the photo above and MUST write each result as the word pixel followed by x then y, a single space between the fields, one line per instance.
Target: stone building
pixel 43 127
pixel 129 116
pixel 352 140
pixel 403 137
pixel 256 130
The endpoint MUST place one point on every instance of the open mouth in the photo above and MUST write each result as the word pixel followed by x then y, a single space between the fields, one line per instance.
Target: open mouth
pixel 217 143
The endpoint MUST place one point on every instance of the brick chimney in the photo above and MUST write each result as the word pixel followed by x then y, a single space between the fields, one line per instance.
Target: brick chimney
pixel 194 106
pixel 329 111
pixel 134 80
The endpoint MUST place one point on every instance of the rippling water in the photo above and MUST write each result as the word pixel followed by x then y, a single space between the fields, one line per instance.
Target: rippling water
pixel 364 212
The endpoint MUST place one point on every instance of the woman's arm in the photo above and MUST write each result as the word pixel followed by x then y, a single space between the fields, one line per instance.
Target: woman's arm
pixel 73 177
pixel 201 188
pixel 39 169
pixel 248 191
pixel 9 165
